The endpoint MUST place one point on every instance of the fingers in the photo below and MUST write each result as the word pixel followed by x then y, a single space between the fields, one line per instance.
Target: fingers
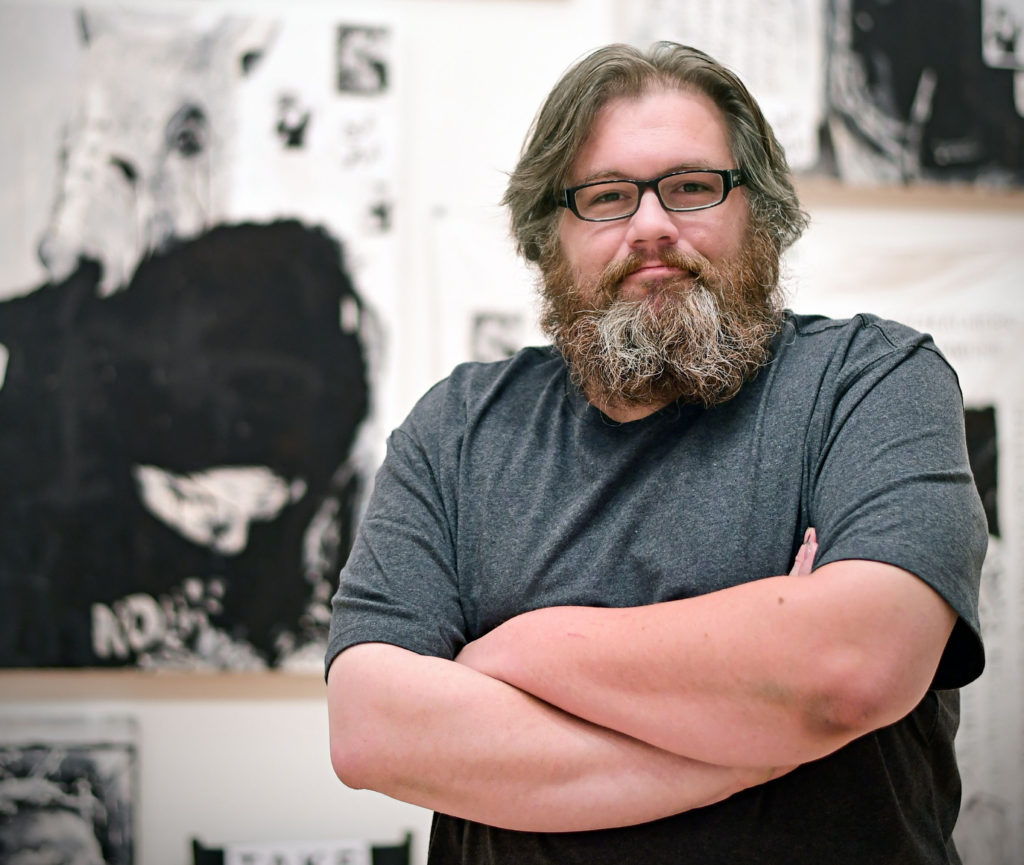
pixel 811 543
pixel 804 562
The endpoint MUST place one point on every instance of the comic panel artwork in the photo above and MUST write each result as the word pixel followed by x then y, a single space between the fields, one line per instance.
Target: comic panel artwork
pixel 67 790
pixel 187 395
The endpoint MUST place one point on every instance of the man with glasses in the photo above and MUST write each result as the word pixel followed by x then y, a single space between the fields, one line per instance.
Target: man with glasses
pixel 698 582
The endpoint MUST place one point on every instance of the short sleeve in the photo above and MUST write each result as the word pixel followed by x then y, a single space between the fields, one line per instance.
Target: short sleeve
pixel 892 482
pixel 400 582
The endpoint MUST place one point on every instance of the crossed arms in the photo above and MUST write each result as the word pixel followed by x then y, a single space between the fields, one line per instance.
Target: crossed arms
pixel 572 718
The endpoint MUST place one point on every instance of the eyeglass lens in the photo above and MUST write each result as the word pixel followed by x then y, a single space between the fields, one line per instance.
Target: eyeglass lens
pixel 691 190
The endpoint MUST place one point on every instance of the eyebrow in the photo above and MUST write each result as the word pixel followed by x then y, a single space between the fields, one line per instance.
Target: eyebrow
pixel 609 174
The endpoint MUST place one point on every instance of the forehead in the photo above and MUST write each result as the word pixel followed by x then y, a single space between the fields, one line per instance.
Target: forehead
pixel 656 132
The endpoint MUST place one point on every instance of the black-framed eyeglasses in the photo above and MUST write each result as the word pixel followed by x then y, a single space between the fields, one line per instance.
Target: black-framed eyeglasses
pixel 678 191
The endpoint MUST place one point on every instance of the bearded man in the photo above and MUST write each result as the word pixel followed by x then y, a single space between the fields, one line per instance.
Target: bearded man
pixel 697 583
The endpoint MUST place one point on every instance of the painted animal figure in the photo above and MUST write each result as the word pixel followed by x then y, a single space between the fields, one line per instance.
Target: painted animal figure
pixel 147 146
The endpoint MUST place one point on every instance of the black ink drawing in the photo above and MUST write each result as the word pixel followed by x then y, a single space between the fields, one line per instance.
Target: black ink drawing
pixel 176 456
pixel 362 65
pixel 983 451
pixel 911 96
pixel 1003 33
pixel 184 403
pixel 145 153
pixel 293 120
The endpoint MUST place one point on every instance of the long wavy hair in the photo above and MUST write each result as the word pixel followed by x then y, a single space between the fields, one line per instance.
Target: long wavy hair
pixel 567 117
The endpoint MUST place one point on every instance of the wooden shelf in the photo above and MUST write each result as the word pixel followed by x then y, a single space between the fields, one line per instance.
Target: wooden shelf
pixel 94 684
pixel 818 191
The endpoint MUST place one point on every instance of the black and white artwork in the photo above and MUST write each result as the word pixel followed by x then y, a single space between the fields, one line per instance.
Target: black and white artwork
pixel 362 58
pixel 925 91
pixel 321 852
pixel 871 91
pixel 187 391
pixel 496 335
pixel 67 791
pixel 1002 34
pixel 983 451
pixel 775 46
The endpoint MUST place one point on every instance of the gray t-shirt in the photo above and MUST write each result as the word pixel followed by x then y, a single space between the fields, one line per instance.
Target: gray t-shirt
pixel 505 491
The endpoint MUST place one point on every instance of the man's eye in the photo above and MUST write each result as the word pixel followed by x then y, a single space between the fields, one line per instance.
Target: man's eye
pixel 606 197
pixel 690 187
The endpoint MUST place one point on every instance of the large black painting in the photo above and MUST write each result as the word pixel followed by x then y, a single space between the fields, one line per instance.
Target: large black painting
pixel 177 460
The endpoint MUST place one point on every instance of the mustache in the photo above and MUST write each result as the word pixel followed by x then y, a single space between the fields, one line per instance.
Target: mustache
pixel 697 265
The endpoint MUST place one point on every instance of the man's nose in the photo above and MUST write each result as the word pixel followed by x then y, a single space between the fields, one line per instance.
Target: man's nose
pixel 651 225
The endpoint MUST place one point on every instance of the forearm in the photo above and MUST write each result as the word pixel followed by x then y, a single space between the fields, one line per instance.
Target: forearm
pixel 580 659
pixel 438 734
pixel 777 671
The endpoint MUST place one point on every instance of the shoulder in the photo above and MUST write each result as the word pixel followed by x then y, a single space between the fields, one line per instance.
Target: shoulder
pixel 474 386
pixel 863 336
pixel 474 390
pixel 864 346
pixel 476 378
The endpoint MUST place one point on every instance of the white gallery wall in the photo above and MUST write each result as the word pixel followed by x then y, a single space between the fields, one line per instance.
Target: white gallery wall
pixel 231 757
pixel 240 759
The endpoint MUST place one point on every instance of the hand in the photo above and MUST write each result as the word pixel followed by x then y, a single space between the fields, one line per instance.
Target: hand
pixel 804 562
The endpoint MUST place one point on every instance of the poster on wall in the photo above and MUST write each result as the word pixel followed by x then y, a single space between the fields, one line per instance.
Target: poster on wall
pixel 191 329
pixel 957 276
pixel 67 790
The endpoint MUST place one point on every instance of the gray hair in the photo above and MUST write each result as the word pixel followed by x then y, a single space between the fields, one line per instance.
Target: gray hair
pixel 567 117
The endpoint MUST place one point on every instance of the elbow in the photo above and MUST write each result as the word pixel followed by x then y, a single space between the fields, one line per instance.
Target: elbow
pixel 859 694
pixel 354 733
pixel 351 765
pixel 351 748
pixel 838 716
pixel 361 757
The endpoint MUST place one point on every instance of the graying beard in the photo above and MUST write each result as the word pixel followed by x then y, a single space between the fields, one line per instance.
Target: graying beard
pixel 689 351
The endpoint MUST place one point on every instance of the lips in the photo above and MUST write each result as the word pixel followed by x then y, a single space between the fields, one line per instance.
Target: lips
pixel 667 263
pixel 660 271
pixel 637 275
pixel 652 274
